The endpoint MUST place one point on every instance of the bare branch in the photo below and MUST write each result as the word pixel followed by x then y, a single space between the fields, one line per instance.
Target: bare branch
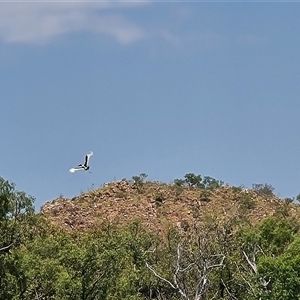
pixel 201 286
pixel 220 264
pixel 247 282
pixel 159 276
pixel 231 296
pixel 176 286
pixel 182 292
pixel 252 265
pixel 184 263
pixel 177 266
pixel 188 267
pixel 6 247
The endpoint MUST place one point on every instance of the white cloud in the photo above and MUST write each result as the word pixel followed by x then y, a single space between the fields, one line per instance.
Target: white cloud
pixel 39 23
pixel 121 29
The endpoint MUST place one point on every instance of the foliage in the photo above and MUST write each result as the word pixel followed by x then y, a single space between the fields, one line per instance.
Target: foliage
pixel 237 189
pixel 179 182
pixel 263 189
pixel 199 264
pixel 211 183
pixel 193 180
pixel 159 198
pixel 283 272
pixel 215 258
pixel 138 181
pixel 288 200
pixel 15 207
pixel 245 201
pixel 272 234
pixel 204 195
pixel 16 219
pixel 178 190
pixel 102 264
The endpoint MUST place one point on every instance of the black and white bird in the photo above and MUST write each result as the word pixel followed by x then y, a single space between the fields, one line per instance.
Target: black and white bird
pixel 85 166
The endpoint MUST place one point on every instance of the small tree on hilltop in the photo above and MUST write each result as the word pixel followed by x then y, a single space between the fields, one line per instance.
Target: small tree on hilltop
pixel 179 182
pixel 139 181
pixel 211 183
pixel 263 189
pixel 193 180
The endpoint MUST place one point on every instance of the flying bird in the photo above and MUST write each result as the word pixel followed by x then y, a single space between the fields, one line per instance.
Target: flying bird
pixel 85 166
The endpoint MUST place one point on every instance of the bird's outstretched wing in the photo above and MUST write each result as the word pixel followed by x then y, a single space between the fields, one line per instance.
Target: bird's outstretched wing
pixel 87 158
pixel 74 169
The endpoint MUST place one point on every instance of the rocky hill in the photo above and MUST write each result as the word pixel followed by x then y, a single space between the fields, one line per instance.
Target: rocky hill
pixel 160 205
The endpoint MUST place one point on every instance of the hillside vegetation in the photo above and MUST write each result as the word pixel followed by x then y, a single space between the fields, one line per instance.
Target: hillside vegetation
pixel 159 206
pixel 195 238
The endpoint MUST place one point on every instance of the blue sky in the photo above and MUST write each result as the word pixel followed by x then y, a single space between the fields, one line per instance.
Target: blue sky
pixel 161 88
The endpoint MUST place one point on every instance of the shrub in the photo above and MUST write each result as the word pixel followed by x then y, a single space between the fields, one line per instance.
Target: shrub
pixel 246 201
pixel 288 200
pixel 179 182
pixel 236 189
pixel 178 189
pixel 159 198
pixel 263 189
pixel 211 183
pixel 205 195
pixel 138 181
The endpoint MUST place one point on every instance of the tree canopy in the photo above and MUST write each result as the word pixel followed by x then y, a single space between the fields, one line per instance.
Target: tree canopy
pixel 213 259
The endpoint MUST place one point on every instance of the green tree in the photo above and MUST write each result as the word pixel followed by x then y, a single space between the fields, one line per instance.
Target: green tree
pixel 15 208
pixel 16 220
pixel 179 182
pixel 263 189
pixel 211 183
pixel 193 180
pixel 138 181
pixel 266 248
pixel 106 263
pixel 198 264
pixel 283 272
